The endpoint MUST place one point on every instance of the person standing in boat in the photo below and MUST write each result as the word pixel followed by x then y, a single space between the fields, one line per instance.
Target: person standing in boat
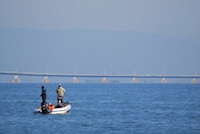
pixel 43 95
pixel 60 91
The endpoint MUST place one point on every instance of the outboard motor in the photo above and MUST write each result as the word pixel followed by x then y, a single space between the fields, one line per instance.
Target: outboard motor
pixel 44 107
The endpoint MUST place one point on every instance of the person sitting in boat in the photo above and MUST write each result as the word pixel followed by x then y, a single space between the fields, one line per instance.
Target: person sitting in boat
pixel 43 95
pixel 60 91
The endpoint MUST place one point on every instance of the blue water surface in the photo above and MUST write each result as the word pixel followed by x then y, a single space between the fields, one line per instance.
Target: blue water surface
pixel 103 108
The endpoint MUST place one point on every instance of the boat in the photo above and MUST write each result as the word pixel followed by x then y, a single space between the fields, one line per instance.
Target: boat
pixel 49 108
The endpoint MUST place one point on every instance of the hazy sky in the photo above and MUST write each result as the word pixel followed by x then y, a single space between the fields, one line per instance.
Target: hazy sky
pixel 57 30
pixel 179 18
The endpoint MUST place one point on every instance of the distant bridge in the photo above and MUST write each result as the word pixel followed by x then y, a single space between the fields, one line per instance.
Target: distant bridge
pixel 104 76
pixel 97 75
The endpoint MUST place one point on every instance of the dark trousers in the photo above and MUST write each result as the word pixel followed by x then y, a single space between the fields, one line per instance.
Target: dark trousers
pixel 43 99
pixel 60 98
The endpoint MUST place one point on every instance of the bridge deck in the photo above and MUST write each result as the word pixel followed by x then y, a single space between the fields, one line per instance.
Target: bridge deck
pixel 96 75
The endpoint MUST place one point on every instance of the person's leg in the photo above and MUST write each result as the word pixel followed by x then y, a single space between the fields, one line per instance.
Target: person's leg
pixel 58 102
pixel 62 99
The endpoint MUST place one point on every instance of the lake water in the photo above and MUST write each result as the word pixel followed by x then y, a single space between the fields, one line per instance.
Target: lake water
pixel 103 108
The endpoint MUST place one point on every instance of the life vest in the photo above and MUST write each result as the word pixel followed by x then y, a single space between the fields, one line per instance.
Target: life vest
pixel 52 106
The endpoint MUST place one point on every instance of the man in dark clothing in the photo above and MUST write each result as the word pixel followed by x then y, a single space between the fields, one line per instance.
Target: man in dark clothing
pixel 43 95
pixel 44 105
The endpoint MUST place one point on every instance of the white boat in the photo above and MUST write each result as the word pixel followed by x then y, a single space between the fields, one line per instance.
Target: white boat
pixel 64 108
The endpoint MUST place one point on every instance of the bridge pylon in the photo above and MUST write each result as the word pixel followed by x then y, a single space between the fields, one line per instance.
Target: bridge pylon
pixel 134 80
pixel 45 80
pixel 75 80
pixel 105 80
pixel 194 81
pixel 16 79
pixel 164 80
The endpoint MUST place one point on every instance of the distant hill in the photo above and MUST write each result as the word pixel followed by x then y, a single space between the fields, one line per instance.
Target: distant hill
pixel 96 51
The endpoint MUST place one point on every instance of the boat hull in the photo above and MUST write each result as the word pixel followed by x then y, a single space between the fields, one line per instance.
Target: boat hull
pixel 61 110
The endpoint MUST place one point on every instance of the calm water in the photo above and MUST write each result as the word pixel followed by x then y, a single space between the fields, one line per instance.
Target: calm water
pixel 99 108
